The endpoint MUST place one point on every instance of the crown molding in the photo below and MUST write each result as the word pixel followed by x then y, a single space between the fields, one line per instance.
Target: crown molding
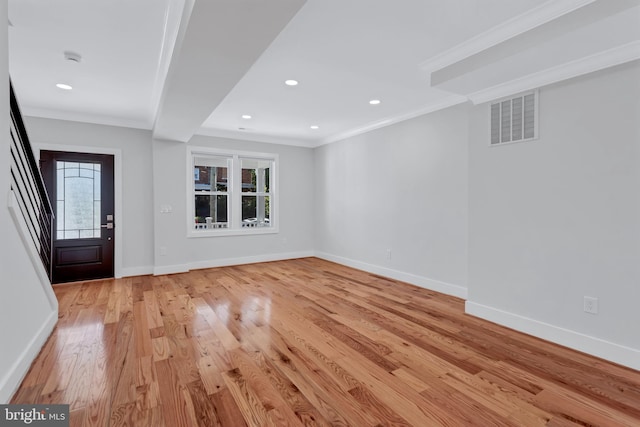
pixel 449 101
pixel 599 61
pixel 546 12
pixel 256 137
pixel 74 116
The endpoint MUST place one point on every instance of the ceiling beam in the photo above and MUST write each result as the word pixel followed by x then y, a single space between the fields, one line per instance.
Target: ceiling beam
pixel 548 32
pixel 217 44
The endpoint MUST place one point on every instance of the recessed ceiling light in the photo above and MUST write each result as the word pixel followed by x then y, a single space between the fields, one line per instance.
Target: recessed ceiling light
pixel 246 116
pixel 314 127
pixel 374 102
pixel 64 86
pixel 291 82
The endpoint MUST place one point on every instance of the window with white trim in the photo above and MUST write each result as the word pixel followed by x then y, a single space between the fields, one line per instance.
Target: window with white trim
pixel 256 192
pixel 231 192
pixel 211 191
pixel 514 119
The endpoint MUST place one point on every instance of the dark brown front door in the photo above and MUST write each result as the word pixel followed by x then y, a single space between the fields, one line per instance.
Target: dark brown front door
pixel 80 186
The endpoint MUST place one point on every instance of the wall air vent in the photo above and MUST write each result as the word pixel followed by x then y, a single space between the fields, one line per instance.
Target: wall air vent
pixel 515 119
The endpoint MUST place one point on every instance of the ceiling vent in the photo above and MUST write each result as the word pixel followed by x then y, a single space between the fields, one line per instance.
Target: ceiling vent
pixel 515 119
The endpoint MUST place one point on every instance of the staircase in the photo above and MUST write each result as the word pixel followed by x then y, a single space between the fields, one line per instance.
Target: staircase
pixel 28 190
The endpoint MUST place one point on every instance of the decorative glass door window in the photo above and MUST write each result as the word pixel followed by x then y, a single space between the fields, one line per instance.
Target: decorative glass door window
pixel 78 200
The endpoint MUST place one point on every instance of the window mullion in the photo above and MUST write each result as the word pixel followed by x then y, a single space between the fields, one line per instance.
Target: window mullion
pixel 236 193
pixel 260 185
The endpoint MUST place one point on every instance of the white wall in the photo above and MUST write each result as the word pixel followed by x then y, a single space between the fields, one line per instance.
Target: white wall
pixel 136 223
pixel 401 188
pixel 295 237
pixel 153 174
pixel 530 228
pixel 27 315
pixel 557 219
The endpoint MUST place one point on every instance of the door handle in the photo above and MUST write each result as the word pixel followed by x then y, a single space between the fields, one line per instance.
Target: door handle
pixel 108 225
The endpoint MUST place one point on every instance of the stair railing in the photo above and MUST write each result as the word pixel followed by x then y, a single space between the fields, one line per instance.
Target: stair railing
pixel 28 187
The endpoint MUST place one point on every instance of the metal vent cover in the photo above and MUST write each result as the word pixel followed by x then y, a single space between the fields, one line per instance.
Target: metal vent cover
pixel 514 119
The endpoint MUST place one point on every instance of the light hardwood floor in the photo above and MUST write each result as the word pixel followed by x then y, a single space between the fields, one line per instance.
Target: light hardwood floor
pixel 307 342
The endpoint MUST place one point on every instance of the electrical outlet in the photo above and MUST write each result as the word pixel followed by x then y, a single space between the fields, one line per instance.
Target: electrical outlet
pixel 388 253
pixel 591 305
pixel 163 250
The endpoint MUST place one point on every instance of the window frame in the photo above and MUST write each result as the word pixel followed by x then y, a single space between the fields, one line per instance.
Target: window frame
pixel 215 192
pixel 234 189
pixel 256 192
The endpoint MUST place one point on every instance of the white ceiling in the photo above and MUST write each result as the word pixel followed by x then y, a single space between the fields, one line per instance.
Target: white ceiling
pixel 180 67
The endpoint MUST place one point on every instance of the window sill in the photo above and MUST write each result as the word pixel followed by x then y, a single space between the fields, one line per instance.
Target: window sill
pixel 231 232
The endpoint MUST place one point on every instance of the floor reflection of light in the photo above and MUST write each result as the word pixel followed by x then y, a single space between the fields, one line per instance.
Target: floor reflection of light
pixel 80 346
pixel 256 310
pixel 222 310
pixel 267 312
pixel 85 334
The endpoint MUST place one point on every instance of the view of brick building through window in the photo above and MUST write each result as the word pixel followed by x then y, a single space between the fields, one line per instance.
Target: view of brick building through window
pixel 213 191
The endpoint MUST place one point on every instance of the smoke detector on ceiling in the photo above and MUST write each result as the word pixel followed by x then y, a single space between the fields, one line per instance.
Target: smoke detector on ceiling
pixel 72 56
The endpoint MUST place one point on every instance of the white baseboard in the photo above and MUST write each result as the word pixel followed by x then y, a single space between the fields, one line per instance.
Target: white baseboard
pixel 616 353
pixel 135 271
pixel 423 282
pixel 170 269
pixel 224 262
pixel 11 381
